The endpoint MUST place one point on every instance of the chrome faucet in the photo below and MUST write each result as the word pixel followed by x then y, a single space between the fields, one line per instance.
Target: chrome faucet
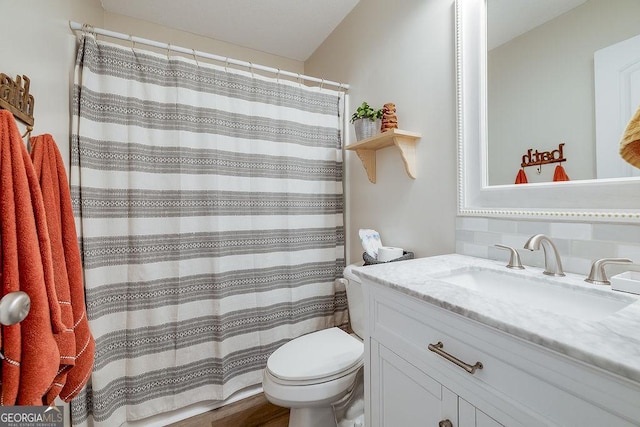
pixel 514 258
pixel 598 276
pixel 552 263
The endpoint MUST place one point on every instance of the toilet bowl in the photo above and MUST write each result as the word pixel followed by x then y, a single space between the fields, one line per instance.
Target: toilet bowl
pixel 312 372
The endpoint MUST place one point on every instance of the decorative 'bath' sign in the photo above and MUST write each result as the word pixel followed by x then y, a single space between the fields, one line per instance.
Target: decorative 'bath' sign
pixel 15 97
pixel 535 158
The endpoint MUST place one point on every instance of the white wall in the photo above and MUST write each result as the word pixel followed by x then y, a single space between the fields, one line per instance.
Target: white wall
pixel 549 73
pixel 149 30
pixel 37 42
pixel 401 52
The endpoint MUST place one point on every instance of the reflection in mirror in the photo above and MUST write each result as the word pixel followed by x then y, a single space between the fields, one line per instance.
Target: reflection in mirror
pixel 593 200
pixel 567 74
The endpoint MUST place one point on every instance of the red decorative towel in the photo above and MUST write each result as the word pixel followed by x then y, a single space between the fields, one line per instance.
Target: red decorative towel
pixel 522 177
pixel 30 349
pixel 559 174
pixel 76 362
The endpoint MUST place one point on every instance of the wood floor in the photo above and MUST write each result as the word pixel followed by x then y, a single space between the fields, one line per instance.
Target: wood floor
pixel 253 411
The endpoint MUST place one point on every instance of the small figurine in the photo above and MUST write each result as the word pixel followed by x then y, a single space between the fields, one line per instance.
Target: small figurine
pixel 389 117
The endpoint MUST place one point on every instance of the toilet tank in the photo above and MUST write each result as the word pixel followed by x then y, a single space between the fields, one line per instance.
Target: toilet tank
pixel 355 300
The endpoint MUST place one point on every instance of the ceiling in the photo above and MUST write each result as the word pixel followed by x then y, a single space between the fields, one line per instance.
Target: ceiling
pixel 509 19
pixel 290 28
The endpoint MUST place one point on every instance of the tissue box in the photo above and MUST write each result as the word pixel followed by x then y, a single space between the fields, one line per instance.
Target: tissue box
pixel 629 281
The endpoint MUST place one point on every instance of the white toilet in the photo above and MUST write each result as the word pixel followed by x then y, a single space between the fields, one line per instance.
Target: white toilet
pixel 314 371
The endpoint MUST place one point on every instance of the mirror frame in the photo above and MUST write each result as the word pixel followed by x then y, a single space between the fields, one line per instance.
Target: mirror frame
pixel 608 200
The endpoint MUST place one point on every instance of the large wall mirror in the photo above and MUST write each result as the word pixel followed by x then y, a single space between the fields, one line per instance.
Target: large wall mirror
pixel 547 80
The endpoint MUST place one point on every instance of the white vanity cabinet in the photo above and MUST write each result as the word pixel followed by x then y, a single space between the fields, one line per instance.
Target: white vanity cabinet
pixel 520 383
pixel 404 395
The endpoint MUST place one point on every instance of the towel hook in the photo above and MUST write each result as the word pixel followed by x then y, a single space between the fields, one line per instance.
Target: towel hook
pixel 28 132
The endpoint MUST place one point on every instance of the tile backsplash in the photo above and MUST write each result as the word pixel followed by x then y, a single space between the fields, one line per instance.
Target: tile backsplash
pixel 579 243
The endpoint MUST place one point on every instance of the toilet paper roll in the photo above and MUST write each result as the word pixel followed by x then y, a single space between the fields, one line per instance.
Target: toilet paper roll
pixel 388 253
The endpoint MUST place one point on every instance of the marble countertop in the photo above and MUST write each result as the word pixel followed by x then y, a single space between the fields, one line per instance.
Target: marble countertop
pixel 611 342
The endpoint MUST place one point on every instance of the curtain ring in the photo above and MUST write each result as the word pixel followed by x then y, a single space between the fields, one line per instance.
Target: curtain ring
pixel 168 50
pixel 251 69
pixel 321 84
pixel 299 80
pixel 88 28
pixel 278 76
pixel 226 64
pixel 195 58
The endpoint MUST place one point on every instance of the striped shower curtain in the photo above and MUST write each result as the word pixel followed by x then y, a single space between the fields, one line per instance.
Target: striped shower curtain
pixel 209 207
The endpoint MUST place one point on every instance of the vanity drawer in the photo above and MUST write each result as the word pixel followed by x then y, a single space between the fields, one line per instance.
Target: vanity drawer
pixel 520 383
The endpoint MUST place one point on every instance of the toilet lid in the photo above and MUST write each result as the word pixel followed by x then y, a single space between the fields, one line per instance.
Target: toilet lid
pixel 317 355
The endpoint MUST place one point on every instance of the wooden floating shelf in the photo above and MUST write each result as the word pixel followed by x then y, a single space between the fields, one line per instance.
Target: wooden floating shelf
pixel 405 141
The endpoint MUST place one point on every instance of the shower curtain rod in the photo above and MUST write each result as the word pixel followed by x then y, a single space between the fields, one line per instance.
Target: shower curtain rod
pixel 76 26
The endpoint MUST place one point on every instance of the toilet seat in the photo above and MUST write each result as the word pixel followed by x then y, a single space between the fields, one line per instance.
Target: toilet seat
pixel 316 357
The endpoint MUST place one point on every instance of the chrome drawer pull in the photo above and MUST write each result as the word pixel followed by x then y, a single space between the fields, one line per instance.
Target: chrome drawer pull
pixel 437 349
pixel 445 423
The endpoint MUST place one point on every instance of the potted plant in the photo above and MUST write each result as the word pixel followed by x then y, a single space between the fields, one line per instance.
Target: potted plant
pixel 366 121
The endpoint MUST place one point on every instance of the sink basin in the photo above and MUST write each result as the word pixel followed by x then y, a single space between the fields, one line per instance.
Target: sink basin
pixel 542 293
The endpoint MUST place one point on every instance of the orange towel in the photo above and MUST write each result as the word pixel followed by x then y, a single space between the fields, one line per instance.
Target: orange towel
pixel 521 178
pixel 76 362
pixel 559 174
pixel 30 349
